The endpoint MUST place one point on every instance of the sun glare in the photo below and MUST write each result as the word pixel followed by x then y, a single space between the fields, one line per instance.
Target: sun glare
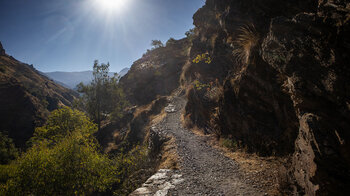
pixel 111 5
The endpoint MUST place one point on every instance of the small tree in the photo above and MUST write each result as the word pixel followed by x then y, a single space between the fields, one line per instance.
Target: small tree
pixel 103 95
pixel 170 41
pixel 115 99
pixel 190 33
pixel 157 44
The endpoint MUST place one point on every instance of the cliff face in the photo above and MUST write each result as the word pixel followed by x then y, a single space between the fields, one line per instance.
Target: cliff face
pixel 26 97
pixel 157 73
pixel 278 84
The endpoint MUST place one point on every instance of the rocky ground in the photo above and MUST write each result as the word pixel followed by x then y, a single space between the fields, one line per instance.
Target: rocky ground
pixel 204 170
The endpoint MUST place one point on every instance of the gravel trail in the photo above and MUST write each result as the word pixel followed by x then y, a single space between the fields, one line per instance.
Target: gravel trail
pixel 203 169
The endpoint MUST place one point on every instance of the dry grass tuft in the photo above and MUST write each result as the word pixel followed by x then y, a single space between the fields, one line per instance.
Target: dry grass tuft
pixel 170 158
pixel 141 109
pixel 158 118
pixel 183 77
pixel 246 39
pixel 186 121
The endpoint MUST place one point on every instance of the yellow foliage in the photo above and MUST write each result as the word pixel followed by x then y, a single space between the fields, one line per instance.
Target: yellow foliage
pixel 202 57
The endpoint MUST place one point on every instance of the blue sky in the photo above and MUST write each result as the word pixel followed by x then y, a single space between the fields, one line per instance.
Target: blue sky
pixel 68 35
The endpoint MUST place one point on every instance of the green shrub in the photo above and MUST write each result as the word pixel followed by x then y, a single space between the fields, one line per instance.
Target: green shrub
pixel 61 123
pixel 202 57
pixel 8 150
pixel 170 41
pixel 129 166
pixel 190 34
pixel 228 143
pixel 157 73
pixel 64 159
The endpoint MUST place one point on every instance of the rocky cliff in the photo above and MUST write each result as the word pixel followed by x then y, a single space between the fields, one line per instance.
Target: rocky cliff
pixel 26 97
pixel 157 73
pixel 278 84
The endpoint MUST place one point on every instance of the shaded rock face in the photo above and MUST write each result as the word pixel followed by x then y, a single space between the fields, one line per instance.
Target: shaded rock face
pixel 26 97
pixel 247 102
pixel 157 73
pixel 314 58
pixel 283 92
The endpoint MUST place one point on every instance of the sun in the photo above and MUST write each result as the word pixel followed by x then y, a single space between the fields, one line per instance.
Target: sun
pixel 111 5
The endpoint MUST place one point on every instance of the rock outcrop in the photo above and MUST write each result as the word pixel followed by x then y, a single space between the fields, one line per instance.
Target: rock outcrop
pixel 157 73
pixel 278 84
pixel 26 97
pixel 313 57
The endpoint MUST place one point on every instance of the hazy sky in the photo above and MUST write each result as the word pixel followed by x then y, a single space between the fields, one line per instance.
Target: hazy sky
pixel 68 35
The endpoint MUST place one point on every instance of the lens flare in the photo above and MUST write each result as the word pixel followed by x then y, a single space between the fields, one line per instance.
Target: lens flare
pixel 111 5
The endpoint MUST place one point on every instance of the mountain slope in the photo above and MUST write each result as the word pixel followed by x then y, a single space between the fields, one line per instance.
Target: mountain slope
pixel 157 73
pixel 26 97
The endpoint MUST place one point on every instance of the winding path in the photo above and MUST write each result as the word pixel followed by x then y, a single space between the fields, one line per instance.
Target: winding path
pixel 204 170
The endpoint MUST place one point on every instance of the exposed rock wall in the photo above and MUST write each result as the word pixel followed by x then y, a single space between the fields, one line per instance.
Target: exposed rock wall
pixel 278 84
pixel 313 55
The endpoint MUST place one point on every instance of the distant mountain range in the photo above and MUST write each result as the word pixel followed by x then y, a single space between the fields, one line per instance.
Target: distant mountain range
pixel 72 79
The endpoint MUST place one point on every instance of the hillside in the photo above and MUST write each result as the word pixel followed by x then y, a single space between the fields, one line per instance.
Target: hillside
pixel 72 79
pixel 157 73
pixel 26 97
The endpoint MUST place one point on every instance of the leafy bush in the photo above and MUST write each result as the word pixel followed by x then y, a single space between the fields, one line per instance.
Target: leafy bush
pixel 72 167
pixel 64 159
pixel 199 86
pixel 157 44
pixel 228 143
pixel 61 123
pixel 170 41
pixel 157 73
pixel 129 166
pixel 190 34
pixel 202 57
pixel 8 150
